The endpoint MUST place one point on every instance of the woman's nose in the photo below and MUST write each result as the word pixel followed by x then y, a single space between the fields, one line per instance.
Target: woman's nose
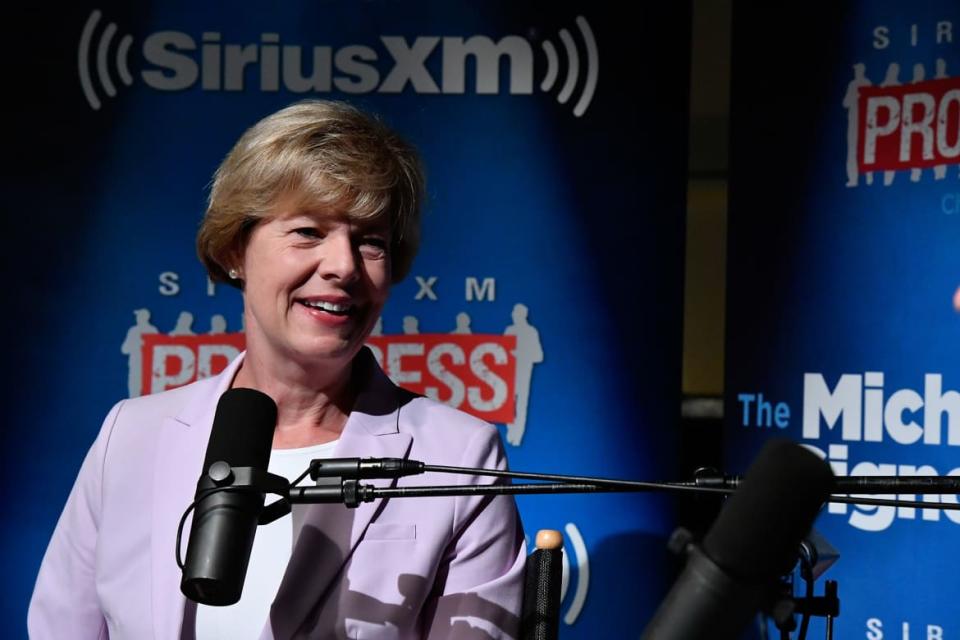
pixel 338 259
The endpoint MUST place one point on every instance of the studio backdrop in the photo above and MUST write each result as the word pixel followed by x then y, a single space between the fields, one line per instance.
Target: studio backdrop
pixel 546 298
pixel 843 330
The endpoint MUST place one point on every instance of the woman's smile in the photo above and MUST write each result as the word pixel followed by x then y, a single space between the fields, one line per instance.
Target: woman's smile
pixel 330 311
pixel 314 283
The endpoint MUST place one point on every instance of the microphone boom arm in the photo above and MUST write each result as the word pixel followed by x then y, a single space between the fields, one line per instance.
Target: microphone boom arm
pixel 338 482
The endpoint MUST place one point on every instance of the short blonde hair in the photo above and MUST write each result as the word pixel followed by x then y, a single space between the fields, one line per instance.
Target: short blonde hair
pixel 330 155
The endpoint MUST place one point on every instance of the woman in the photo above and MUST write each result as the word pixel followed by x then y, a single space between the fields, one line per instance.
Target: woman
pixel 313 215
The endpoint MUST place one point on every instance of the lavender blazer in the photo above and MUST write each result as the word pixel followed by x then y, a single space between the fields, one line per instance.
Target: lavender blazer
pixel 401 568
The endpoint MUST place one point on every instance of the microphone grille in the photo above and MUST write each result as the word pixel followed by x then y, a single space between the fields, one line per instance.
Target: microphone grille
pixel 243 427
pixel 757 535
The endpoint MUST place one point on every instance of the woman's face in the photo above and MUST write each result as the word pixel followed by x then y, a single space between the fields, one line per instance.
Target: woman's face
pixel 314 284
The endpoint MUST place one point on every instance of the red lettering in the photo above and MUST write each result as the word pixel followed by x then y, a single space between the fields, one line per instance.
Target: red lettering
pixel 909 126
pixel 473 372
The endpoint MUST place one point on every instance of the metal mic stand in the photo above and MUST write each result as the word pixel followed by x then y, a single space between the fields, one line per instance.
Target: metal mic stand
pixel 785 605
pixel 338 480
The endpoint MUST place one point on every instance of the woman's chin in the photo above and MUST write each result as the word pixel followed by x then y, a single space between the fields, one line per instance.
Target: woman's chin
pixel 331 349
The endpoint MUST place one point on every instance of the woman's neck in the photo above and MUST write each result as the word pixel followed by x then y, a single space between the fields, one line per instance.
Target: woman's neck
pixel 312 404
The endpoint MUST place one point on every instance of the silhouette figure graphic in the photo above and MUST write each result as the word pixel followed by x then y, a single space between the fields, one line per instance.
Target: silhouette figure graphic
pixel 528 353
pixel 132 348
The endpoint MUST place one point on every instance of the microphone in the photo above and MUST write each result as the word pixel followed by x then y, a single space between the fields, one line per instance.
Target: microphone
pixel 755 540
pixel 225 522
pixel 365 468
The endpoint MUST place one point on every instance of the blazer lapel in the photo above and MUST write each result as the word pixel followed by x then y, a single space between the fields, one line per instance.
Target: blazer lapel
pixel 181 448
pixel 326 534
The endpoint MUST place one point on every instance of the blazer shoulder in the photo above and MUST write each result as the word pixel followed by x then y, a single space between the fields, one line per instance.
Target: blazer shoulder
pixel 434 424
pixel 422 412
pixel 170 403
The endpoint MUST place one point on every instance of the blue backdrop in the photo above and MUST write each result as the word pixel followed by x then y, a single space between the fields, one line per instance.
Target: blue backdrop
pixel 842 331
pixel 556 182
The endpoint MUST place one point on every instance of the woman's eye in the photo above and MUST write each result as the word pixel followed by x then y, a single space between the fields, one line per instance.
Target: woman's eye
pixel 373 247
pixel 308 232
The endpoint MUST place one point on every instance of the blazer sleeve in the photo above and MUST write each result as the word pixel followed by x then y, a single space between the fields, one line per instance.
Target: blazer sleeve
pixel 479 587
pixel 65 602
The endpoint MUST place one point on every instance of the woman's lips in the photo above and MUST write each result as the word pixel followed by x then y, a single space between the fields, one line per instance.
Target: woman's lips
pixel 337 306
pixel 330 314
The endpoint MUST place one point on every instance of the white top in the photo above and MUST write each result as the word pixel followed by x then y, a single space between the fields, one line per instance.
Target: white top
pixel 272 547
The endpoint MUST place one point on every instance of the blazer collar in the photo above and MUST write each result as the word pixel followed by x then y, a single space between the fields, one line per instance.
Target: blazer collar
pixel 326 535
pixel 372 430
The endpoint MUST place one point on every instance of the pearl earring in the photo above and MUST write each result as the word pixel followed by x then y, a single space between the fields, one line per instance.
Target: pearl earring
pixel 234 274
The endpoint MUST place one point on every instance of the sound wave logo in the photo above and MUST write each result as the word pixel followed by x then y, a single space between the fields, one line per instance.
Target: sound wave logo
pixel 573 67
pixel 102 53
pixel 583 573
pixel 176 61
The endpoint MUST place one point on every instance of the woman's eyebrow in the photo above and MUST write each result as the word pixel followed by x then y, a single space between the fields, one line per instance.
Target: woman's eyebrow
pixel 306 216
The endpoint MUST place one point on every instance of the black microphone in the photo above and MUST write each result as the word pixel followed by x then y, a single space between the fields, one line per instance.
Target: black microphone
pixel 225 522
pixel 365 468
pixel 755 539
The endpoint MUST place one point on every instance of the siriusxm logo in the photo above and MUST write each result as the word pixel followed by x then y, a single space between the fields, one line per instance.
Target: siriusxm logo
pixel 176 61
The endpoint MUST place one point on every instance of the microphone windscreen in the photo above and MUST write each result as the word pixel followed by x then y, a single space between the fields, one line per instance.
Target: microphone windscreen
pixel 225 522
pixel 757 535
pixel 243 427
